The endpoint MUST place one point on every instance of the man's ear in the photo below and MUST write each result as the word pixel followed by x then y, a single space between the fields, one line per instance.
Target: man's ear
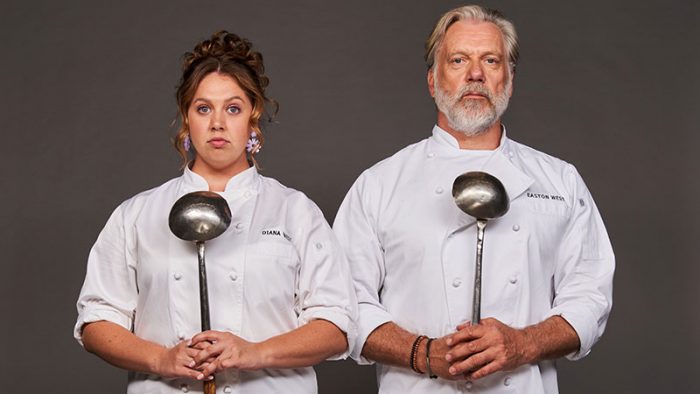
pixel 431 82
pixel 512 79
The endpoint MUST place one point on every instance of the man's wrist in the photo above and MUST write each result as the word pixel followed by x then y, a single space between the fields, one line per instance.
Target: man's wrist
pixel 415 356
pixel 421 357
pixel 530 349
pixel 428 368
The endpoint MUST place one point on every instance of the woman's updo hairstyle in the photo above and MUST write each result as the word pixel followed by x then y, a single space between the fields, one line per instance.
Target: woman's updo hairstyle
pixel 229 54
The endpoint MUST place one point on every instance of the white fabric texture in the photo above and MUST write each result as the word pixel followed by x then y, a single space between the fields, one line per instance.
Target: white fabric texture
pixel 412 254
pixel 275 268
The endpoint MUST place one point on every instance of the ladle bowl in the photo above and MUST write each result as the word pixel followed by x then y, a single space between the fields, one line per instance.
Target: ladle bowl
pixel 480 195
pixel 199 216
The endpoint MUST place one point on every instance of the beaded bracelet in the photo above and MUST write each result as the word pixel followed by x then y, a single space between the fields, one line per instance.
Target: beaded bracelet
pixel 414 352
pixel 427 359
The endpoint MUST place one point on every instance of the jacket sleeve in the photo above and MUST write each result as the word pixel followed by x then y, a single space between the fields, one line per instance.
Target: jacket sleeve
pixel 324 289
pixel 356 228
pixel 584 272
pixel 109 291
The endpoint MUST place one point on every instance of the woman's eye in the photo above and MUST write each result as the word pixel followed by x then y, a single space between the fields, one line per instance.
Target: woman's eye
pixel 203 109
pixel 233 109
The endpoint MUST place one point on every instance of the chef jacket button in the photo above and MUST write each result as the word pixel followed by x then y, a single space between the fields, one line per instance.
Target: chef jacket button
pixel 185 388
pixel 513 279
pixel 516 227
pixel 468 386
pixel 181 336
pixel 439 190
pixel 177 276
pixel 228 389
pixel 247 195
pixel 239 226
pixel 233 275
pixel 319 245
pixel 431 155
pixel 507 381
pixel 457 282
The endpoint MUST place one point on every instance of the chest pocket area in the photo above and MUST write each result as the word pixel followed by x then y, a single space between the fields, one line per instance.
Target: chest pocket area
pixel 546 204
pixel 271 272
pixel 543 223
pixel 283 251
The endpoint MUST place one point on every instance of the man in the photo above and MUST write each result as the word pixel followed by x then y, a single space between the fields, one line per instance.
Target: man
pixel 548 263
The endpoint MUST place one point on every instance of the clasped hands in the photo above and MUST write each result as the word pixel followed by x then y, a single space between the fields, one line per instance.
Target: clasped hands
pixel 476 351
pixel 207 353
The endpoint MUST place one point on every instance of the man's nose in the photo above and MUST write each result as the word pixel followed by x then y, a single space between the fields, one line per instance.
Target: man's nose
pixel 475 73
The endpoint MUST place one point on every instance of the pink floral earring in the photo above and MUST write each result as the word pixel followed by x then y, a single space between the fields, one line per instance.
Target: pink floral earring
pixel 187 143
pixel 253 144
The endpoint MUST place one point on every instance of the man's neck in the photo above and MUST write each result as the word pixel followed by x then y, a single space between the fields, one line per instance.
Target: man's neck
pixel 488 140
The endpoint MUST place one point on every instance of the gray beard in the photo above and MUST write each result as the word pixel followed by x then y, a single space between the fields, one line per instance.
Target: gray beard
pixel 471 116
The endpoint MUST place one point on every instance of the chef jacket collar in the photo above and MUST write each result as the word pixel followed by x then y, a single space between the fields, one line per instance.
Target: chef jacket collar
pixel 448 142
pixel 245 183
pixel 499 164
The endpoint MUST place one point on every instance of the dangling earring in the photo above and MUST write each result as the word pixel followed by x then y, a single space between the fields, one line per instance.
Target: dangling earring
pixel 253 144
pixel 187 143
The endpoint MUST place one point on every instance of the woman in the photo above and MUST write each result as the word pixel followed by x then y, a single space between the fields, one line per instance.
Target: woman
pixel 280 293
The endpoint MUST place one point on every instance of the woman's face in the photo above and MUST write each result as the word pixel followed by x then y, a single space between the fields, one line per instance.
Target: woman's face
pixel 219 123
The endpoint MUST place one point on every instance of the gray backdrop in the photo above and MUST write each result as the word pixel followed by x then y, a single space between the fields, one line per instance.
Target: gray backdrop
pixel 87 101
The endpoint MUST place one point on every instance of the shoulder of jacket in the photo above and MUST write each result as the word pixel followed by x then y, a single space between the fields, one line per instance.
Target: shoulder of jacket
pixel 546 160
pixel 397 159
pixel 293 205
pixel 132 206
pixel 285 194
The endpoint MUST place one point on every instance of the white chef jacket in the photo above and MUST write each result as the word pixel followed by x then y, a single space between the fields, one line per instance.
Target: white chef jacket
pixel 277 267
pixel 412 253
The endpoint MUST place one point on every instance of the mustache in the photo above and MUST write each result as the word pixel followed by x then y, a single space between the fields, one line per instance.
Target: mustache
pixel 474 87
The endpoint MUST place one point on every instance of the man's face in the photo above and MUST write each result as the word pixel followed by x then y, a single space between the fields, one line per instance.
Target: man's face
pixel 470 80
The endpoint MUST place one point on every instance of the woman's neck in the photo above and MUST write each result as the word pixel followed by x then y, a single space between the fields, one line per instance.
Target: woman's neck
pixel 217 178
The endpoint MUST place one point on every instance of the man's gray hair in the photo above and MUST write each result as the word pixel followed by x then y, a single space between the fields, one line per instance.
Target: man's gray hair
pixel 475 13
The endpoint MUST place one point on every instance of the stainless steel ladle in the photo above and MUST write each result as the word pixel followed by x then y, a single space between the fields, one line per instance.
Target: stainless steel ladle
pixel 483 197
pixel 199 217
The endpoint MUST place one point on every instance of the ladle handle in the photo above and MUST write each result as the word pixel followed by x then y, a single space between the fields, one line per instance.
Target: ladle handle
pixel 476 304
pixel 209 385
pixel 203 292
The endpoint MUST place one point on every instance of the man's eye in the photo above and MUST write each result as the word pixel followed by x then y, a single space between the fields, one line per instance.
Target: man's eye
pixel 457 60
pixel 491 60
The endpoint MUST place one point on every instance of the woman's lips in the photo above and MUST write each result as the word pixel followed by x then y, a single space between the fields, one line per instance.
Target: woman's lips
pixel 217 142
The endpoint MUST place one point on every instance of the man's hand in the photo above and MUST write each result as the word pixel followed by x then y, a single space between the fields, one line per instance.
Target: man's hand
pixel 491 346
pixel 438 364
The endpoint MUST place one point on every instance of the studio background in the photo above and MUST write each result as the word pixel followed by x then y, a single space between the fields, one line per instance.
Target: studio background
pixel 88 100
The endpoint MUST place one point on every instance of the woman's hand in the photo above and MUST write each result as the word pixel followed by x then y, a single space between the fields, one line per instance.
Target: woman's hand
pixel 223 350
pixel 121 347
pixel 177 362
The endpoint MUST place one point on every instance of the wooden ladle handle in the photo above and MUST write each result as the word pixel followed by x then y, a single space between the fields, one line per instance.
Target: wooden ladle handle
pixel 209 387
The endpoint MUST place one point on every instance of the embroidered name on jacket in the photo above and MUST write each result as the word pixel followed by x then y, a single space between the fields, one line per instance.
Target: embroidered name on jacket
pixel 276 233
pixel 544 196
